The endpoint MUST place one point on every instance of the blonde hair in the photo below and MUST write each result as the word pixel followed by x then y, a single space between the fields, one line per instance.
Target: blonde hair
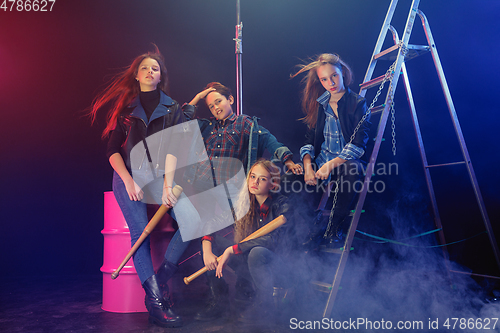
pixel 246 207
pixel 313 88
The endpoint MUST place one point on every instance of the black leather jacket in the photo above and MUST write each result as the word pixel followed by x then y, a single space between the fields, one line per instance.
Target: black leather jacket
pixel 280 240
pixel 133 126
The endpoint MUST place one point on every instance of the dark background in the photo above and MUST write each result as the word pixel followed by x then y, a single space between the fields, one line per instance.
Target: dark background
pixel 53 165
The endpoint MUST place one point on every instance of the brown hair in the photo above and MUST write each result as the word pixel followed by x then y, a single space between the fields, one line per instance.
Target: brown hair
pixel 313 88
pixel 247 203
pixel 124 88
pixel 220 88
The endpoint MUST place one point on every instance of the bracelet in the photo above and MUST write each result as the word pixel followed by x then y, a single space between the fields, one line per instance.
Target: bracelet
pixel 167 186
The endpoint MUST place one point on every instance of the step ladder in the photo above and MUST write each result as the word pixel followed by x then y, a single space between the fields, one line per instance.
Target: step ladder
pixel 402 51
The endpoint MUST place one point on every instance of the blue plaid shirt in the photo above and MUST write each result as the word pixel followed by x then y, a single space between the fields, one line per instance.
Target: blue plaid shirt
pixel 334 144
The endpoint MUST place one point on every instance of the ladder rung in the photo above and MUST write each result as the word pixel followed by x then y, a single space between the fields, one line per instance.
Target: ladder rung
pixel 387 52
pixel 351 213
pixel 392 52
pixel 416 51
pixel 329 250
pixel 444 164
pixel 377 109
pixel 326 212
pixel 372 83
pixel 322 286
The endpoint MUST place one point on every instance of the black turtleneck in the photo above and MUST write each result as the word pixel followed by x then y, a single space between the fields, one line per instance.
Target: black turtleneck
pixel 149 101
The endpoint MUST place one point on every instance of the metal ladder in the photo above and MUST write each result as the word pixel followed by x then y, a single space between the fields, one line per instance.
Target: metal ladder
pixel 402 51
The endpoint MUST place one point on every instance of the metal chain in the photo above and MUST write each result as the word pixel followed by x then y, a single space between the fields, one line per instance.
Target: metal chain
pixel 330 219
pixel 393 127
pixel 389 74
pixel 404 51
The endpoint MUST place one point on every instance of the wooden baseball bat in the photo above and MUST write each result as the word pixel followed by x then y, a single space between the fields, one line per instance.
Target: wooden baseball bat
pixel 177 190
pixel 274 224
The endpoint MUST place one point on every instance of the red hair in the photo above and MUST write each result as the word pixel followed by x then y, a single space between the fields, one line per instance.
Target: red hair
pixel 124 88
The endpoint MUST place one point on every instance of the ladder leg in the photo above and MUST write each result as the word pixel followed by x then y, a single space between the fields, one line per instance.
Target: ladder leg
pixel 339 272
pixel 420 142
pixel 460 136
pixel 380 42
pixel 430 187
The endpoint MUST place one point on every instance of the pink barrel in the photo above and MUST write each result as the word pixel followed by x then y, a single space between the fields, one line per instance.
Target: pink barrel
pixel 125 293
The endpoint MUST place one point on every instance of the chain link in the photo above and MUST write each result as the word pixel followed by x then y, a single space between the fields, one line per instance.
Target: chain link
pixel 393 127
pixel 330 219
pixel 404 51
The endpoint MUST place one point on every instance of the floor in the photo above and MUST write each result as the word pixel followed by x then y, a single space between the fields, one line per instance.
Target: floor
pixel 73 304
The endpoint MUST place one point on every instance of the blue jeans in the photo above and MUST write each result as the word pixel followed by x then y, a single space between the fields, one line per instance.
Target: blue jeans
pixel 177 246
pixel 135 215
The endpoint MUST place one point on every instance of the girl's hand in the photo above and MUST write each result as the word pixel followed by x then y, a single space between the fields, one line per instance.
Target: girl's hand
pixel 223 260
pixel 133 190
pixel 210 260
pixel 325 170
pixel 295 168
pixel 168 198
pixel 310 176
pixel 328 167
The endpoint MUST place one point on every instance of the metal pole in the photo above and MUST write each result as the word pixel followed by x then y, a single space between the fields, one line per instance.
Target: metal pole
pixel 238 51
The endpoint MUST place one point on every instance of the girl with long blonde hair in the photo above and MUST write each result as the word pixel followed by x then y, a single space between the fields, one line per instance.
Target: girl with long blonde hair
pixel 261 203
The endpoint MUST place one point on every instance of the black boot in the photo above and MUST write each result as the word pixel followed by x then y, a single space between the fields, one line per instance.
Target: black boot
pixel 159 312
pixel 334 238
pixel 218 302
pixel 262 311
pixel 244 292
pixel 164 273
pixel 316 232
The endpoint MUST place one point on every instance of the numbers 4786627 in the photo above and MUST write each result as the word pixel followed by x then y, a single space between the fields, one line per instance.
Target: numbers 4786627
pixel 471 323
pixel 27 5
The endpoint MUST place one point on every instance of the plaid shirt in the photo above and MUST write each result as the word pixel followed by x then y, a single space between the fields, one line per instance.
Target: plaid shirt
pixel 263 211
pixel 334 144
pixel 228 139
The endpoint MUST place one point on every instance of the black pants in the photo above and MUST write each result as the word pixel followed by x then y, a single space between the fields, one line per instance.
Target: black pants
pixel 261 265
pixel 219 245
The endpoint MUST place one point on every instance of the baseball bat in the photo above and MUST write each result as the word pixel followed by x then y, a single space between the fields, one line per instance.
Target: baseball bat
pixel 274 224
pixel 177 190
